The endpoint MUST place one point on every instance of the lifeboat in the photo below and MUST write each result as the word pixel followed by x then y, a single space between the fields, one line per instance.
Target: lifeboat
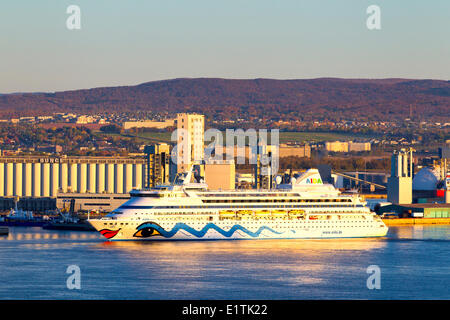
pixel 227 213
pixel 279 213
pixel 297 214
pixel 245 213
pixel 262 213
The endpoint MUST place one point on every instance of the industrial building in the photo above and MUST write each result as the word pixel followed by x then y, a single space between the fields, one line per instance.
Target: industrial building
pixel 284 150
pixel 34 176
pixel 400 181
pixel 148 124
pixel 158 165
pixel 425 210
pixel 28 204
pixel 303 151
pixel 220 174
pixel 190 140
pixel 350 146
pixel 101 202
pixel 336 146
pixel 266 158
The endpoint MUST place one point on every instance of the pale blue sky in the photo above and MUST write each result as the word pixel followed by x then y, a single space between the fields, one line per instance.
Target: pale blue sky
pixel 134 41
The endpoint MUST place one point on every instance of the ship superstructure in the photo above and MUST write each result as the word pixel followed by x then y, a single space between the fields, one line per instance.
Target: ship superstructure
pixel 303 208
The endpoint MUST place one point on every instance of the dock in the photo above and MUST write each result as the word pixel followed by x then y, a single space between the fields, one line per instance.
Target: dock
pixel 416 221
pixel 374 196
pixel 4 231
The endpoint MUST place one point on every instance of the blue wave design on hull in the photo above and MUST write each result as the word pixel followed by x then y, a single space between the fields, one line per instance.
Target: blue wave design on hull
pixel 205 229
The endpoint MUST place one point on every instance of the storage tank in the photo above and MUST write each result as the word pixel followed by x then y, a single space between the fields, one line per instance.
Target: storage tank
pixel 28 179
pixel 426 180
pixel 74 177
pixel 46 180
pixel 119 178
pixel 101 177
pixel 128 177
pixel 9 178
pixel 82 177
pixel 18 179
pixel 36 180
pixel 138 184
pixel 425 183
pixel 447 191
pixel 2 179
pixel 110 188
pixel 64 176
pixel 92 177
pixel 55 179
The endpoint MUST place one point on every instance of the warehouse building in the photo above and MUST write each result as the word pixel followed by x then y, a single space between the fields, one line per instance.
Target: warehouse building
pixel 425 210
pixel 34 176
pixel 101 202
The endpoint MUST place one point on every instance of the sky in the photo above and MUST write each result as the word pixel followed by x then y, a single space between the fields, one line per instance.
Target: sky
pixel 135 41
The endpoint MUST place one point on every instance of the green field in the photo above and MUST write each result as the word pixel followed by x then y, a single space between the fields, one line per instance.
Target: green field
pixel 145 137
pixel 318 136
pixel 300 137
pixel 155 137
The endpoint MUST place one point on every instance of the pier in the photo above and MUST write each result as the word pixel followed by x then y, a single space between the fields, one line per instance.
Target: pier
pixel 416 221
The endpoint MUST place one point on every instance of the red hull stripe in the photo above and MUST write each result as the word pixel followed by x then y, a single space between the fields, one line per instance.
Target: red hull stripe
pixel 108 234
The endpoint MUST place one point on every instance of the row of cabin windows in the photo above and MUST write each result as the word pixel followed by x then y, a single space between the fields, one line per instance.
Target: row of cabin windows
pixel 267 206
pixel 314 226
pixel 274 200
pixel 184 214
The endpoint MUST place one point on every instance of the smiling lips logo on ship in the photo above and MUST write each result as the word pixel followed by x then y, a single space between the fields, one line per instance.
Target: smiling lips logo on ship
pixel 108 234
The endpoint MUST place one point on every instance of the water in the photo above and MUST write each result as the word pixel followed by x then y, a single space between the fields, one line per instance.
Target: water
pixel 414 263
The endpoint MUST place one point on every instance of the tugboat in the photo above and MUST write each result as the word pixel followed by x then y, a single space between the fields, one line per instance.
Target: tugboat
pixel 69 221
pixel 22 218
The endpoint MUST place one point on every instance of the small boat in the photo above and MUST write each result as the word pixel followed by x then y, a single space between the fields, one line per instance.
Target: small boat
pixel 22 218
pixel 82 225
pixel 69 221
pixel 4 231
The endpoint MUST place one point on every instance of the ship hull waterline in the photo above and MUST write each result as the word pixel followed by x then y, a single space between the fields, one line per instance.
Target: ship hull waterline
pixel 151 231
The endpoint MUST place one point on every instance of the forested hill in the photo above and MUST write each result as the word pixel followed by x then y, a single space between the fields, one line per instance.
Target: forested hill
pixel 323 98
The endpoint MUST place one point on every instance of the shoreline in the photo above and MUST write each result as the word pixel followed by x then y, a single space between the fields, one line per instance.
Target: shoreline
pixel 416 221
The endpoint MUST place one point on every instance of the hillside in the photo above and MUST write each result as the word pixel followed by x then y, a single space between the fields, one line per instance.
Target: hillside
pixel 323 98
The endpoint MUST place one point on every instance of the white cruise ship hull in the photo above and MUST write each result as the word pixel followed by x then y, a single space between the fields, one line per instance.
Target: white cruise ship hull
pixel 240 230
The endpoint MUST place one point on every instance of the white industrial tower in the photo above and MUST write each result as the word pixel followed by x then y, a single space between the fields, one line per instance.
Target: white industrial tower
pixel 400 181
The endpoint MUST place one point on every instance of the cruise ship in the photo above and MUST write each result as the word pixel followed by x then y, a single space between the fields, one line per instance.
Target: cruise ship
pixel 302 208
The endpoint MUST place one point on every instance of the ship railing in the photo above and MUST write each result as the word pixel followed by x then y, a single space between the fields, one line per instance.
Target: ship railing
pixel 108 218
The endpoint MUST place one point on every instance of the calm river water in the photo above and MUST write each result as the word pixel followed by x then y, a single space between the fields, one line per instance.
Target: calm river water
pixel 414 263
